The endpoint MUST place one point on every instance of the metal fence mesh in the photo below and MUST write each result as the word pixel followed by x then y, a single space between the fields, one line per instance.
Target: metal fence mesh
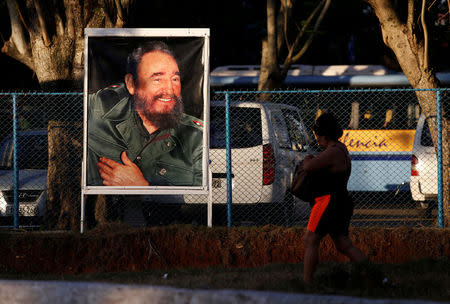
pixel 393 181
pixel 379 130
pixel 34 118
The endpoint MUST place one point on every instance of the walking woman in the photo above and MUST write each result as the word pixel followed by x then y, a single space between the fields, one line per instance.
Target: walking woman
pixel 333 207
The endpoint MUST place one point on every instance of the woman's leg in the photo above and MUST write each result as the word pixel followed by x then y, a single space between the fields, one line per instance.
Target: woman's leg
pixel 316 229
pixel 312 242
pixel 345 246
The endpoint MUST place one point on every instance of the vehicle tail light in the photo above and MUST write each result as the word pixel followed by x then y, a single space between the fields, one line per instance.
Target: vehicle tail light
pixel 414 162
pixel 268 165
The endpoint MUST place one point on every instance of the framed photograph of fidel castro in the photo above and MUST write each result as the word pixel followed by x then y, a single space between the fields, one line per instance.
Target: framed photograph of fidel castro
pixel 146 110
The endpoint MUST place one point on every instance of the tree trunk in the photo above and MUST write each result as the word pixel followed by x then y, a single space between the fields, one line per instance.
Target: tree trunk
pixel 65 148
pixel 48 36
pixel 411 53
pixel 269 70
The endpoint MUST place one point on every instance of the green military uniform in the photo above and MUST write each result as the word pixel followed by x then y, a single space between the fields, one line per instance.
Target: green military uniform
pixel 165 157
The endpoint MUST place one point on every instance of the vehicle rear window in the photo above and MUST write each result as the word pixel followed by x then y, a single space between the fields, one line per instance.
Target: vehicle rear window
pixel 298 134
pixel 245 125
pixel 32 152
pixel 279 127
pixel 425 139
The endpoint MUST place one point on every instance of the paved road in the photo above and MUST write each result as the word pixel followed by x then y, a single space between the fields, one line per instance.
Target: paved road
pixel 49 292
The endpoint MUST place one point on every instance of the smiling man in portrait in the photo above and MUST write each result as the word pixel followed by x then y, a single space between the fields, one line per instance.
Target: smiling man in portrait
pixel 138 133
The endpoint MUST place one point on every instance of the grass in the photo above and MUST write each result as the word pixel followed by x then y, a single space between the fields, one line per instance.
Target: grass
pixel 118 247
pixel 427 279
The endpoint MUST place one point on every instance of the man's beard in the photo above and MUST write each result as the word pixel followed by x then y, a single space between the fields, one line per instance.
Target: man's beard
pixel 161 120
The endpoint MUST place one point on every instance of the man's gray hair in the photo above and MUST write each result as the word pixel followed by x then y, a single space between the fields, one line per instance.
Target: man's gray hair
pixel 135 57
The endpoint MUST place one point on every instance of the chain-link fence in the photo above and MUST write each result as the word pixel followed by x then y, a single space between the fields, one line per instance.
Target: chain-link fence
pixel 41 141
pixel 394 178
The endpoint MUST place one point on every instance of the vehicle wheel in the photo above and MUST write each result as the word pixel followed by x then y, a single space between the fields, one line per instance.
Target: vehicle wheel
pixel 426 209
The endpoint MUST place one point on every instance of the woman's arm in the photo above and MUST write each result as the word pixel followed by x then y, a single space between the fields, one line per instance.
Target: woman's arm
pixel 326 159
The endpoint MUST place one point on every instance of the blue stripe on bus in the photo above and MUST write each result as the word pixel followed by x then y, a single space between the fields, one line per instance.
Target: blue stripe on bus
pixel 381 157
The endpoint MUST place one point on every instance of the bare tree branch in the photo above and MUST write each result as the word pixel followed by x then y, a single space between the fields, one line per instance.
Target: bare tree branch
pixel 59 23
pixel 271 28
pixel 271 76
pixel 288 61
pixel 286 11
pixel 21 18
pixel 10 49
pixel 120 19
pixel 18 37
pixel 285 24
pixel 41 18
pixel 316 27
pixel 425 37
pixel 410 21
pixel 70 22
pixel 432 3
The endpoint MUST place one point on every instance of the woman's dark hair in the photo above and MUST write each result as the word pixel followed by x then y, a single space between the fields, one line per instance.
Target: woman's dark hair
pixel 327 125
pixel 135 57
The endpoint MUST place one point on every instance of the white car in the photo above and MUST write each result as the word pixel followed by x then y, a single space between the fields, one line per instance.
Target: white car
pixel 423 181
pixel 267 141
pixel 32 162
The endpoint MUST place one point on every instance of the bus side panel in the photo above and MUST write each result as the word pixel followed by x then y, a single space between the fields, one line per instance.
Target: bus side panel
pixel 380 172
pixel 381 159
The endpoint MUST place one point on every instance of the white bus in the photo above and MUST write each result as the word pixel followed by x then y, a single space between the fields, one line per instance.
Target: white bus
pixel 379 122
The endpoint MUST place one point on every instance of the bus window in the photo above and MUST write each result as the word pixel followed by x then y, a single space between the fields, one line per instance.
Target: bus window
pixel 413 115
pixel 417 113
pixel 367 121
pixel 354 116
pixel 389 118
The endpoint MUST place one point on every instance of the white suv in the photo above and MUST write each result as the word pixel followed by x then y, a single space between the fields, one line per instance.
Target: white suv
pixel 423 181
pixel 267 141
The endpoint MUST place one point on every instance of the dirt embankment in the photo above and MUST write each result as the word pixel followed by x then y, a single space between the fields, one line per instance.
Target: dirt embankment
pixel 115 248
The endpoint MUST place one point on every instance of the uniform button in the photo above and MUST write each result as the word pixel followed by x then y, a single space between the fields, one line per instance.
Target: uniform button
pixel 162 171
pixel 169 143
pixel 139 157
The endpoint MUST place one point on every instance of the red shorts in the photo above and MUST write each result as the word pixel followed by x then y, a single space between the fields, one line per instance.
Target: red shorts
pixel 330 216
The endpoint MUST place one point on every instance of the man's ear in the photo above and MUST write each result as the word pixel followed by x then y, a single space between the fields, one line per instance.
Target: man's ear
pixel 129 82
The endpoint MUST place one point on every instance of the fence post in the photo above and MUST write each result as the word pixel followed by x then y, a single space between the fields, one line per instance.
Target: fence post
pixel 15 163
pixel 210 198
pixel 82 215
pixel 228 157
pixel 439 159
